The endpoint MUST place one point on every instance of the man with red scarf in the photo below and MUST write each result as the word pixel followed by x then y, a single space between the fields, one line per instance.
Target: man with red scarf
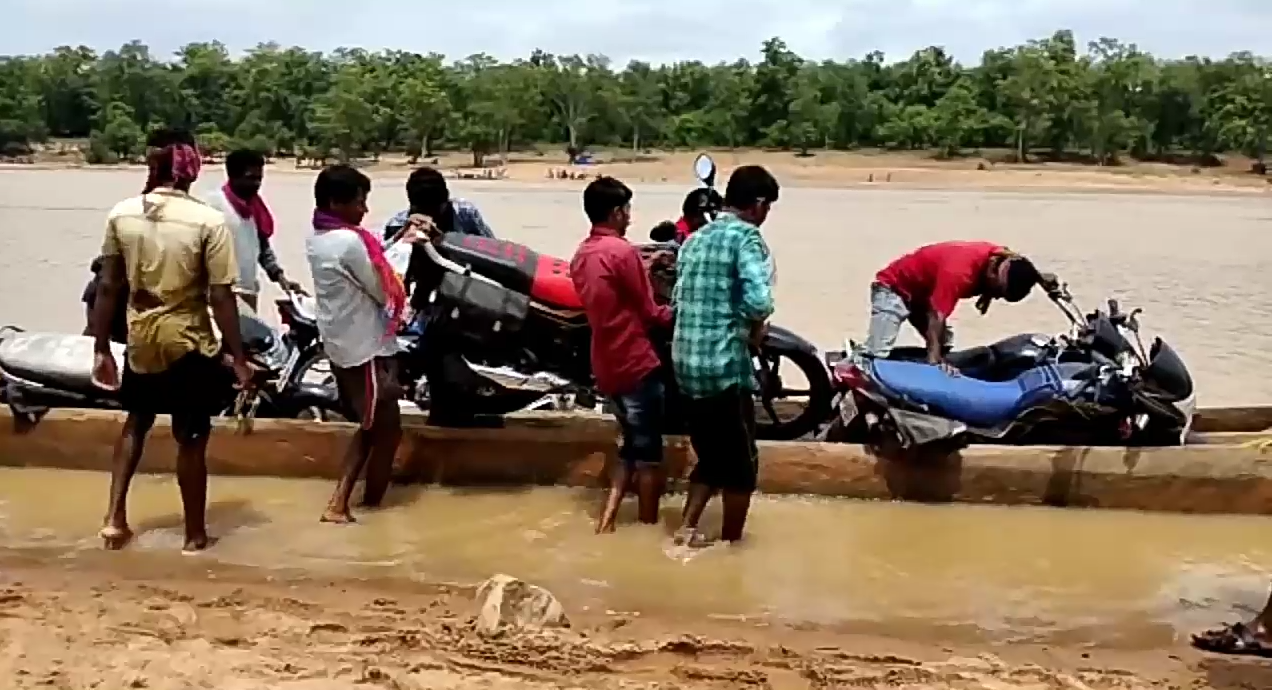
pixel 251 224
pixel 360 303
pixel 170 257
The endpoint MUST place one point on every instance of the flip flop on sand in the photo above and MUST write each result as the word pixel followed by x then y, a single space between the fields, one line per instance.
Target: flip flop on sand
pixel 1238 639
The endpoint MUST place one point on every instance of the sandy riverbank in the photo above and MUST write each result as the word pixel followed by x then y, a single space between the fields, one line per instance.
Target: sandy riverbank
pixel 830 169
pixel 125 622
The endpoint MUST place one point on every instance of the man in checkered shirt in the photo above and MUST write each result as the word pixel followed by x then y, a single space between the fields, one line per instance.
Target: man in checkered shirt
pixel 723 296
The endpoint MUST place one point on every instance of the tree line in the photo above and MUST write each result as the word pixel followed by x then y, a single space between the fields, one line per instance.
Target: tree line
pixel 1048 98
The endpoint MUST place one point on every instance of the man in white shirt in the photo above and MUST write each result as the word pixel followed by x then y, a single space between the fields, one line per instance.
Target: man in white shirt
pixel 360 304
pixel 251 224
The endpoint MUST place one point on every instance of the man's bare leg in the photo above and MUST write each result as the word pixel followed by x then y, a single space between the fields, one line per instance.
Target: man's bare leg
pixel 649 491
pixel 192 478
pixel 385 436
pixel 355 460
pixel 736 506
pixel 127 455
pixel 622 475
pixel 695 505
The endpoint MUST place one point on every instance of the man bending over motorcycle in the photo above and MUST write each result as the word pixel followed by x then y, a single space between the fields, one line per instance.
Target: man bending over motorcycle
pixel 613 285
pixel 924 286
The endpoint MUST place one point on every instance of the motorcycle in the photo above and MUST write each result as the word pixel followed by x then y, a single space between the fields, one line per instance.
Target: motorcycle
pixel 1089 386
pixel 506 331
pixel 39 371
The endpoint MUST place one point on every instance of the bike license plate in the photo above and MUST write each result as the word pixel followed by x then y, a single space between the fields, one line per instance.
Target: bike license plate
pixel 848 408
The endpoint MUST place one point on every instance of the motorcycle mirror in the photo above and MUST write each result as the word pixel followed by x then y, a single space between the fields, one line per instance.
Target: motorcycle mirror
pixel 1132 321
pixel 704 169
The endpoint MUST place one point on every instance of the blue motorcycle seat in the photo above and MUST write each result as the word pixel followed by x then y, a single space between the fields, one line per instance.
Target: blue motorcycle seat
pixel 971 401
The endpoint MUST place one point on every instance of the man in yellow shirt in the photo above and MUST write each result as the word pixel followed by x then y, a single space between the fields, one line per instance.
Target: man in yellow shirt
pixel 169 257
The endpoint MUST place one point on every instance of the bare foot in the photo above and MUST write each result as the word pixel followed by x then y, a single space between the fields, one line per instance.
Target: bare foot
pixel 338 517
pixel 115 537
pixel 196 544
pixel 605 527
pixel 691 538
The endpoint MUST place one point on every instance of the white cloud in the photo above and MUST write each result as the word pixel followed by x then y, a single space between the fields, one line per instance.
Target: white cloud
pixel 654 30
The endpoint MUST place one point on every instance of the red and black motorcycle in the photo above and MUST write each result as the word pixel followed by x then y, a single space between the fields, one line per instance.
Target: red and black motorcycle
pixel 504 328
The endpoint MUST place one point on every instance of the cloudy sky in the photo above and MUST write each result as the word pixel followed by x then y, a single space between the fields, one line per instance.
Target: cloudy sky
pixel 654 30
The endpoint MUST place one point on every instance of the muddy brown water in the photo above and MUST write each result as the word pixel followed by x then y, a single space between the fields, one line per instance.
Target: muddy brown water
pixel 1199 266
pixel 1100 577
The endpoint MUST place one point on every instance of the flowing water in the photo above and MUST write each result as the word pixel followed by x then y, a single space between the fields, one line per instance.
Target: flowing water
pixel 1100 577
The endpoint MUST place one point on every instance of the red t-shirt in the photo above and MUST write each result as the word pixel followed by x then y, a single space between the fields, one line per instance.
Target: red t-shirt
pixel 619 301
pixel 683 230
pixel 939 275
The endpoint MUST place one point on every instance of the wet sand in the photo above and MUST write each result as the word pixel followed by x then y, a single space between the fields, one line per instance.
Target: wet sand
pixel 879 596
pixel 125 622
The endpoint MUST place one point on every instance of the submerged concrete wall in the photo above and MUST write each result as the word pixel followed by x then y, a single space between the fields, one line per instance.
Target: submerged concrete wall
pixel 1233 477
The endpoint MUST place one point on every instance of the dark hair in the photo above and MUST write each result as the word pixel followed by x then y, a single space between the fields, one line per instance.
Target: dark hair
pixel 603 196
pixel 1021 277
pixel 750 185
pixel 426 189
pixel 167 136
pixel 242 160
pixel 700 201
pixel 339 184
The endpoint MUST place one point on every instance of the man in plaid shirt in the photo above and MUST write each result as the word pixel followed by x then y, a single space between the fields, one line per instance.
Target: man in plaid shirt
pixel 723 296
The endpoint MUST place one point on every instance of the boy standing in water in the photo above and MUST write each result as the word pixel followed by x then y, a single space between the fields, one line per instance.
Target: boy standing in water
pixel 176 257
pixel 614 287
pixel 360 304
pixel 723 297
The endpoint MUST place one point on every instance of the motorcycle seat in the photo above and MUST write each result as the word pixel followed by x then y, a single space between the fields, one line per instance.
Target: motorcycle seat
pixel 971 401
pixel 510 264
pixel 55 360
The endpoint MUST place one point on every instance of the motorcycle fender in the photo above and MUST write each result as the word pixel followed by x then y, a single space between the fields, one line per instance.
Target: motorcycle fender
pixel 780 338
pixel 917 429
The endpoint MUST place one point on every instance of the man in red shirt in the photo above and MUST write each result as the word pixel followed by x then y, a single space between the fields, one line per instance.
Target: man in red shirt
pixel 616 293
pixel 925 285
pixel 695 211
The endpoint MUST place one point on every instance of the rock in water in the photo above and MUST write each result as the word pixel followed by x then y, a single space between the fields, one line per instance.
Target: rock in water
pixel 507 602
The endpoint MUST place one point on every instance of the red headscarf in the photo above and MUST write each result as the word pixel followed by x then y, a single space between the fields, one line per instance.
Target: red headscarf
pixel 182 159
pixel 254 208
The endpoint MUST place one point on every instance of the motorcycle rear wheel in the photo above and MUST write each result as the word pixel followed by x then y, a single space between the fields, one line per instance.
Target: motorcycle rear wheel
pixel 816 408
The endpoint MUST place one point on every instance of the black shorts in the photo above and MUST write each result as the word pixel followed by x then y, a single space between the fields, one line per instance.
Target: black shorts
pixel 722 431
pixel 191 391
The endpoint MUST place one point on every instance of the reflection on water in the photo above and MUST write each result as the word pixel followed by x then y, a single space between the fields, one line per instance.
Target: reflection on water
pixel 1003 571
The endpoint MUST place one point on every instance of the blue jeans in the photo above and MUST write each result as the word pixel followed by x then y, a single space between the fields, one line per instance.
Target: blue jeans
pixel 887 312
pixel 640 416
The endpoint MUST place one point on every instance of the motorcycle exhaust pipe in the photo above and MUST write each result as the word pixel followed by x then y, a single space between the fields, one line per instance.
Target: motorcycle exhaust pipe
pixel 507 377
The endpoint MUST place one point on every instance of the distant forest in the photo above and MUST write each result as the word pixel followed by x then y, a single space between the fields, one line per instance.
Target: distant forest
pixel 1050 98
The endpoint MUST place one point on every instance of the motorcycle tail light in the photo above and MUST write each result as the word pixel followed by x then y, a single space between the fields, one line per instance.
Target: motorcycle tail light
pixel 849 375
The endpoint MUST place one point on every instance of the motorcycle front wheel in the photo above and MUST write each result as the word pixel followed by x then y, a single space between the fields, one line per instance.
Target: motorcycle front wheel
pixel 783 413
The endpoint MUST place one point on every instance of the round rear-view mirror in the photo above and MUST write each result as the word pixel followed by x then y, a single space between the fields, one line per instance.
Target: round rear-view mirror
pixel 705 169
